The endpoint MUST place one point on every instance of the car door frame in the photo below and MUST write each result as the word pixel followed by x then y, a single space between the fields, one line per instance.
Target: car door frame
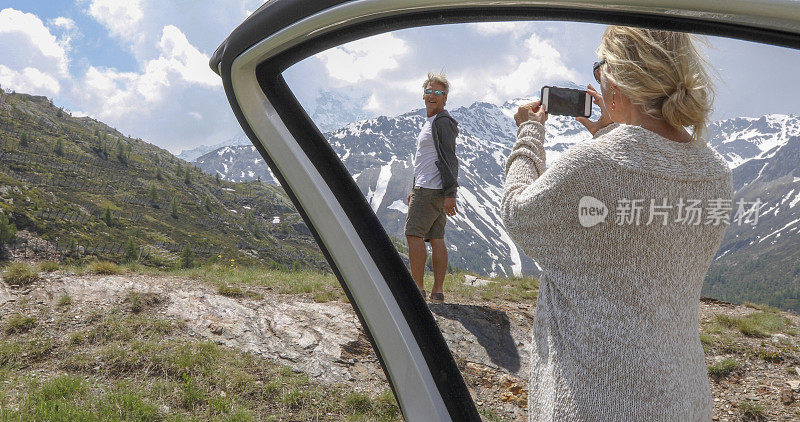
pixel 412 351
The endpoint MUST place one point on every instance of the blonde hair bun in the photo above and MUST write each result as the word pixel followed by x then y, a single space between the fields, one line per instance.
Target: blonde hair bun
pixel 661 71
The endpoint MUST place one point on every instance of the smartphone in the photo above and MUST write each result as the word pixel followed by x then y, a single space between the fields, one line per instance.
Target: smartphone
pixel 566 101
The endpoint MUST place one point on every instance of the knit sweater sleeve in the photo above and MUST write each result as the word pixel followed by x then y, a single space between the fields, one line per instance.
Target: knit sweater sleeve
pixel 534 201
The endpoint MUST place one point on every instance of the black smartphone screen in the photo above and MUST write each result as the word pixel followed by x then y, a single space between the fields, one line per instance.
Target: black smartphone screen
pixel 566 102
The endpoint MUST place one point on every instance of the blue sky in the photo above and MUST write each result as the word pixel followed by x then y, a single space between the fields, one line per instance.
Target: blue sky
pixel 141 65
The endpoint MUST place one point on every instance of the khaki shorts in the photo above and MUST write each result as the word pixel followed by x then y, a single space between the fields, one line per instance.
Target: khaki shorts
pixel 426 217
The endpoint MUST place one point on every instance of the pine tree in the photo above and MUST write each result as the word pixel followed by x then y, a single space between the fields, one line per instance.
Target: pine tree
pixel 7 229
pixel 109 220
pixel 158 174
pixel 187 258
pixel 60 147
pixel 207 204
pixel 153 195
pixel 250 219
pixel 174 206
pixel 178 171
pixel 72 249
pixel 23 139
pixel 7 233
pixel 122 153
pixel 131 253
pixel 187 178
pixel 217 177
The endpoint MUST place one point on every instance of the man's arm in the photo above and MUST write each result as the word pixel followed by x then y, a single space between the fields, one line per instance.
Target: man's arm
pixel 446 135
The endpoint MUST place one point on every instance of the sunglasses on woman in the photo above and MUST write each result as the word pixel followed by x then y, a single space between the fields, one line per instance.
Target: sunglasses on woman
pixel 435 92
pixel 596 69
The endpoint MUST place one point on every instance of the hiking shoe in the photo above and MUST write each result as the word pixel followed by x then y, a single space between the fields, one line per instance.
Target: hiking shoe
pixel 437 297
pixel 423 293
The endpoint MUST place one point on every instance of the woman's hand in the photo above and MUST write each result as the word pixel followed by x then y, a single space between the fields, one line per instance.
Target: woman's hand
pixel 604 119
pixel 531 111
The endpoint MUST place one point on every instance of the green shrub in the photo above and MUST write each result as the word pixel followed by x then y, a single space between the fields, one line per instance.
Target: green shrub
pixel 16 323
pixel 752 412
pixel 105 268
pixel 757 324
pixel 64 300
pixel 723 368
pixel 135 302
pixel 229 291
pixel 20 274
pixel 49 266
pixel 771 357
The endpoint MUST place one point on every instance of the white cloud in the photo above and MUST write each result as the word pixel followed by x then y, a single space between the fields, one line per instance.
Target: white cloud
pixel 179 66
pixel 34 60
pixel 180 56
pixel 121 18
pixel 63 22
pixel 37 40
pixel 29 80
pixel 517 65
pixel 541 62
pixel 364 59
pixel 501 28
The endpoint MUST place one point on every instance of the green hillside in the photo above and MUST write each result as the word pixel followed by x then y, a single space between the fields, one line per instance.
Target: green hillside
pixel 91 191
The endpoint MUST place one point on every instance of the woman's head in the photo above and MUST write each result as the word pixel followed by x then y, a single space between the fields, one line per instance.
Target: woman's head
pixel 660 71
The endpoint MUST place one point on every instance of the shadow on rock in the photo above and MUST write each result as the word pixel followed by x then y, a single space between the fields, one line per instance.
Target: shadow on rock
pixel 491 329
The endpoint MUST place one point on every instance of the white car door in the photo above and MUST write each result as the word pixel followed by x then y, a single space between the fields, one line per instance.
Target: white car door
pixel 414 355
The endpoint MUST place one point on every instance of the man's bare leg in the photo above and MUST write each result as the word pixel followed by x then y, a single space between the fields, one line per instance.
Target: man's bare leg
pixel 417 256
pixel 439 255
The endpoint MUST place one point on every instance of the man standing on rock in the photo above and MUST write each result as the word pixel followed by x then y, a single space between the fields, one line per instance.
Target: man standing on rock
pixel 433 196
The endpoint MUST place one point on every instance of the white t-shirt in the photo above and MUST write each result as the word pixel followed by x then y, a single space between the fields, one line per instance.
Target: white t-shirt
pixel 426 174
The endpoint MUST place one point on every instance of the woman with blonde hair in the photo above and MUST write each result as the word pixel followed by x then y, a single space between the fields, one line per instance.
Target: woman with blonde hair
pixel 624 228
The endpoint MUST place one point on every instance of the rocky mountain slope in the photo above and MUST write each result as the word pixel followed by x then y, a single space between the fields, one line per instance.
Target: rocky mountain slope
pixel 759 259
pixel 86 189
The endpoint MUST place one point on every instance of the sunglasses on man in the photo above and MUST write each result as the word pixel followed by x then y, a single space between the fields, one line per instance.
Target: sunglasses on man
pixel 596 69
pixel 435 92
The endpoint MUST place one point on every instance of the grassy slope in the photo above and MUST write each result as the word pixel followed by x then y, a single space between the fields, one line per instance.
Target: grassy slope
pixel 61 174
pixel 129 364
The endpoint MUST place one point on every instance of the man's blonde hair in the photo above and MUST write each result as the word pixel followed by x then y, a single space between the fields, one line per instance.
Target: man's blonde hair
pixel 661 71
pixel 437 77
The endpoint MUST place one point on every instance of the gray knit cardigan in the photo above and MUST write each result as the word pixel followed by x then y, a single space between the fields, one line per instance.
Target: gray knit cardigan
pixel 616 335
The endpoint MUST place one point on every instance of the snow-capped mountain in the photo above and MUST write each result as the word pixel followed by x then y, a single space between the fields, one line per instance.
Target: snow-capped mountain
pixel 379 153
pixel 759 260
pixel 192 154
pixel 744 138
pixel 332 110
pixel 230 164
pixel 763 154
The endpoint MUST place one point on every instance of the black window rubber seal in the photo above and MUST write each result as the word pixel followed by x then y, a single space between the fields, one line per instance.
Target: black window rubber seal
pixel 431 342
